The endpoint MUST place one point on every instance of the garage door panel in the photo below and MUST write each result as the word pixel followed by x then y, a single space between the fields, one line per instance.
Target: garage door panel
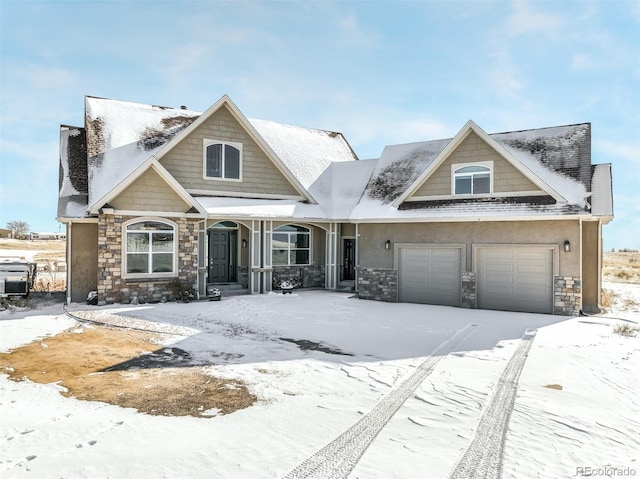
pixel 429 275
pixel 515 279
pixel 503 267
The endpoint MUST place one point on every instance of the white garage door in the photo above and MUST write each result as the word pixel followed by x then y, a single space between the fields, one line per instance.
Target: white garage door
pixel 515 279
pixel 429 275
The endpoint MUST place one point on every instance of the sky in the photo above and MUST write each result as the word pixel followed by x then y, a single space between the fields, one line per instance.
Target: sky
pixel 380 72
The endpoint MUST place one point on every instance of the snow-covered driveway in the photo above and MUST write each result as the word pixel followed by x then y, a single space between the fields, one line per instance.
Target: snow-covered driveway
pixel 307 398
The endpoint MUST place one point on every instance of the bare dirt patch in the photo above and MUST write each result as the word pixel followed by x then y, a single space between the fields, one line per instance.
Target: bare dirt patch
pixel 128 369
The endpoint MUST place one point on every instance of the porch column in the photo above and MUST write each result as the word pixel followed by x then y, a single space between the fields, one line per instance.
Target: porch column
pixel 255 259
pixel 266 257
pixel 331 272
pixel 202 258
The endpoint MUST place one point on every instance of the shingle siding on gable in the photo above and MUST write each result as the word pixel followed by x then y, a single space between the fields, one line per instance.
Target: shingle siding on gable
pixel 259 174
pixel 150 193
pixel 473 149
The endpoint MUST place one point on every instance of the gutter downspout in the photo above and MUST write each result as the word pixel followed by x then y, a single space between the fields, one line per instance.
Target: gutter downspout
pixel 69 263
pixel 357 254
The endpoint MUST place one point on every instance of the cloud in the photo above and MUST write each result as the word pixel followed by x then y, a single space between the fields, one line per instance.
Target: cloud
pixel 583 62
pixel 503 75
pixel 524 20
pixel 352 34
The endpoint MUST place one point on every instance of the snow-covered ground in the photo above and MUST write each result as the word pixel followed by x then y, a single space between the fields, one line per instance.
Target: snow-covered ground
pixel 576 409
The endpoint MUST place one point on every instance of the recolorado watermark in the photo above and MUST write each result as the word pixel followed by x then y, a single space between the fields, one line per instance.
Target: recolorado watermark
pixel 605 471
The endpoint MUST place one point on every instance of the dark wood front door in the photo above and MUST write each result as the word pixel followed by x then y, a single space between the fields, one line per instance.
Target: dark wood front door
pixel 349 256
pixel 222 253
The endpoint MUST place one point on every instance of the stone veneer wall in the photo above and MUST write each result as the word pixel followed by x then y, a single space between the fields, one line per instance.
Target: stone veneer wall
pixel 113 288
pixel 469 294
pixel 243 276
pixel 379 284
pixel 307 276
pixel 567 295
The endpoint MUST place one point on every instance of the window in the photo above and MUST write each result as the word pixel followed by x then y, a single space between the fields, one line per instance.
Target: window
pixel 150 248
pixel 222 160
pixel 472 180
pixel 290 245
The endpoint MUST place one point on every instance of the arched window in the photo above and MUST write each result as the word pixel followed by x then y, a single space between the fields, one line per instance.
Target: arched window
pixel 222 160
pixel 472 180
pixel 150 248
pixel 290 245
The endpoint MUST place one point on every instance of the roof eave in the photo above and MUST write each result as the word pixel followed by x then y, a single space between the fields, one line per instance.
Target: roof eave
pixel 239 116
pixel 469 127
pixel 153 163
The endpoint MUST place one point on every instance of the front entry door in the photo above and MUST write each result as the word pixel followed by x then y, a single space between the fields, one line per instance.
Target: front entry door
pixel 349 256
pixel 222 253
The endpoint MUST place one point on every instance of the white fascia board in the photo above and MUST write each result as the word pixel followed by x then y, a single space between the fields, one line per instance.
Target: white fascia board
pixel 472 219
pixel 286 219
pixel 469 127
pixel 168 214
pixel 239 116
pixel 76 220
pixel 153 163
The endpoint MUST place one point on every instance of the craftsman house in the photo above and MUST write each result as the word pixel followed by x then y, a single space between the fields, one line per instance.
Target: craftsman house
pixel 158 198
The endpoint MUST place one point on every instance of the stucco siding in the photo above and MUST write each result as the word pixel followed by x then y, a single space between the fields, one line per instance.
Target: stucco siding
pixel 591 258
pixel 506 178
pixel 83 263
pixel 348 229
pixel 259 173
pixel 372 253
pixel 150 192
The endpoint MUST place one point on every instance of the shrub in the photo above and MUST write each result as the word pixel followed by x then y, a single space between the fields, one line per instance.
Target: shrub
pixel 626 329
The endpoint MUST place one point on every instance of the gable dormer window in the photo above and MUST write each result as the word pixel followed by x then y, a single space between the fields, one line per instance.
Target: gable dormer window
pixel 472 179
pixel 222 160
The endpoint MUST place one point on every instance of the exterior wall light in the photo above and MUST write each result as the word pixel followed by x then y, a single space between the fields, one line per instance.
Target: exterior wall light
pixel 387 244
pixel 244 243
pixel 567 246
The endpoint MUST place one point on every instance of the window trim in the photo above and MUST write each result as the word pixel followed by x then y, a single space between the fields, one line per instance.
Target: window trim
pixel 125 255
pixel 208 142
pixel 289 249
pixel 454 175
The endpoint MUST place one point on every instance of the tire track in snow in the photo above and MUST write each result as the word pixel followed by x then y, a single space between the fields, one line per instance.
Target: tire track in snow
pixel 483 457
pixel 338 458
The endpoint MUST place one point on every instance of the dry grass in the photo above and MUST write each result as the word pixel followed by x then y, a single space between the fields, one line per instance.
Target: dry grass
pixel 621 267
pixel 626 329
pixel 47 247
pixel 114 366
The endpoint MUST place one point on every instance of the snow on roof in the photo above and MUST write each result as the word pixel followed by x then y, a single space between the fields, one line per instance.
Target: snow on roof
pixel 601 188
pixel 559 156
pixel 400 165
pixel 113 123
pixel 340 187
pixel 371 209
pixel 72 194
pixel 122 135
pixel 258 208
pixel 306 152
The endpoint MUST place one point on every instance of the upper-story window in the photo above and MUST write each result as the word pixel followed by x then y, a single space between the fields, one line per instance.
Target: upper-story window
pixel 222 160
pixel 290 245
pixel 471 180
pixel 150 248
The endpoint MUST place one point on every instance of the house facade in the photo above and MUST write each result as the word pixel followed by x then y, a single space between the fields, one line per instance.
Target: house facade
pixel 159 200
